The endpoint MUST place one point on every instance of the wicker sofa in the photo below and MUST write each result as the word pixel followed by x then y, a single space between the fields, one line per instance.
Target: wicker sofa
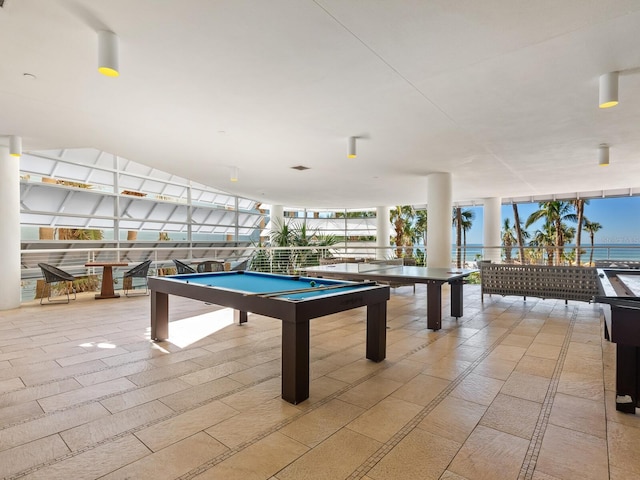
pixel 542 281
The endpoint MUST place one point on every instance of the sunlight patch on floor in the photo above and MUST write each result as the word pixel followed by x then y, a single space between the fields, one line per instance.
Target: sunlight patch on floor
pixel 183 333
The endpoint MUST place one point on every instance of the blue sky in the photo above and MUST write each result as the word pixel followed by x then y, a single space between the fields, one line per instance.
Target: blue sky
pixel 619 217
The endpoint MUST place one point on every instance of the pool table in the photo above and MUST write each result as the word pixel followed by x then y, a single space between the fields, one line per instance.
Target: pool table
pixel 620 301
pixel 293 300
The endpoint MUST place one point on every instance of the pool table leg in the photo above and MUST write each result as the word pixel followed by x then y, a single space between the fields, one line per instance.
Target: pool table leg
pixel 159 316
pixel 627 371
pixel 295 361
pixel 377 331
pixel 239 317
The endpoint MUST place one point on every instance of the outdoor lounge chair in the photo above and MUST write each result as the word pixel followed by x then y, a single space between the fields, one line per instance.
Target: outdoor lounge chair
pixel 210 266
pixel 139 271
pixel 53 275
pixel 182 267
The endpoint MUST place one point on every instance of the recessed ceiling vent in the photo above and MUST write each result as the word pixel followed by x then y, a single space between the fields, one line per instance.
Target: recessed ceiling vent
pixel 300 167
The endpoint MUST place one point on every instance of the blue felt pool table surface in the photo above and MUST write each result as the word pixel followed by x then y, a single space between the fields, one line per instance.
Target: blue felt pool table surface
pixel 266 283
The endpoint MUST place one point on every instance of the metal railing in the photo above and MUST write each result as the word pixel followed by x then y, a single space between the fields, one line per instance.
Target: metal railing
pixel 291 260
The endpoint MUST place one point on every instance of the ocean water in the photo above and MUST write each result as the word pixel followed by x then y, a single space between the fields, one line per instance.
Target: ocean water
pixel 601 251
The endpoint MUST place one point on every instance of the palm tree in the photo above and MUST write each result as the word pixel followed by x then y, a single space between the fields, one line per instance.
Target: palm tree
pixel 545 238
pixel 519 234
pixel 579 204
pixel 508 239
pixel 592 228
pixel 556 213
pixel 421 226
pixel 401 216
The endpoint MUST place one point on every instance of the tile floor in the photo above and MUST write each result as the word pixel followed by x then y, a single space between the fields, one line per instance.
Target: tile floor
pixel 512 390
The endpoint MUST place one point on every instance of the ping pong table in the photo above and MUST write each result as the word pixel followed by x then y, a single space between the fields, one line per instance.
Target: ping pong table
pixel 392 272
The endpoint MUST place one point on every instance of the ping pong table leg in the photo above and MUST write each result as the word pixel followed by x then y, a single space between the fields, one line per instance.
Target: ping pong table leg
pixel 434 304
pixel 456 297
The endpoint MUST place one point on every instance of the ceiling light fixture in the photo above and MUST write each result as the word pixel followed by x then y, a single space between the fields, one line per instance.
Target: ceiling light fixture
pixel 108 53
pixel 15 146
pixel 234 174
pixel 351 153
pixel 608 90
pixel 603 155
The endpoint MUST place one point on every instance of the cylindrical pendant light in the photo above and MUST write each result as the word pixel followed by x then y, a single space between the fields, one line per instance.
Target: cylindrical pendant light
pixel 108 53
pixel 351 153
pixel 15 146
pixel 234 174
pixel 603 155
pixel 608 90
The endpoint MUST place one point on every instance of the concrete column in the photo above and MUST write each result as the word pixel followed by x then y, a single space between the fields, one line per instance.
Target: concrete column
pixel 439 204
pixel 383 232
pixel 277 217
pixel 9 229
pixel 492 223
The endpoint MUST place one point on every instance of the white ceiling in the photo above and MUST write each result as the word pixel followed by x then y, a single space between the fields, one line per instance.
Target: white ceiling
pixel 500 93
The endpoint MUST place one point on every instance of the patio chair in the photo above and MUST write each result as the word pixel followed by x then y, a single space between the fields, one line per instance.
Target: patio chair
pixel 182 267
pixel 53 275
pixel 210 266
pixel 139 271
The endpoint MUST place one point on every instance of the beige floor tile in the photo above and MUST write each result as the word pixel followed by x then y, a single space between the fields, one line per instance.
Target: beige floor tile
pixel 453 418
pixel 478 389
pixel 542 367
pixel 143 379
pixel 161 435
pixel 62 400
pixel 112 373
pixel 370 392
pixel 250 423
pixel 550 339
pixel 512 415
pixel 581 385
pixel 420 454
pixel 39 391
pixel 50 424
pixel 489 454
pixel 518 340
pixel 94 463
pixel 143 395
pixel 106 427
pixel 448 368
pixel 171 462
pixel 346 449
pixel 256 395
pixel 34 374
pixel 322 388
pixel 356 370
pixel 385 419
pixel 623 442
pixel 19 412
pixel 508 352
pixel 529 387
pixel 543 350
pixel 10 384
pixel 259 461
pixel 584 450
pixel 318 424
pixel 421 389
pixel 31 454
pixel 448 475
pixel 257 373
pixel 495 368
pixel 212 373
pixel 185 398
pixel 579 414
pixel 401 371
